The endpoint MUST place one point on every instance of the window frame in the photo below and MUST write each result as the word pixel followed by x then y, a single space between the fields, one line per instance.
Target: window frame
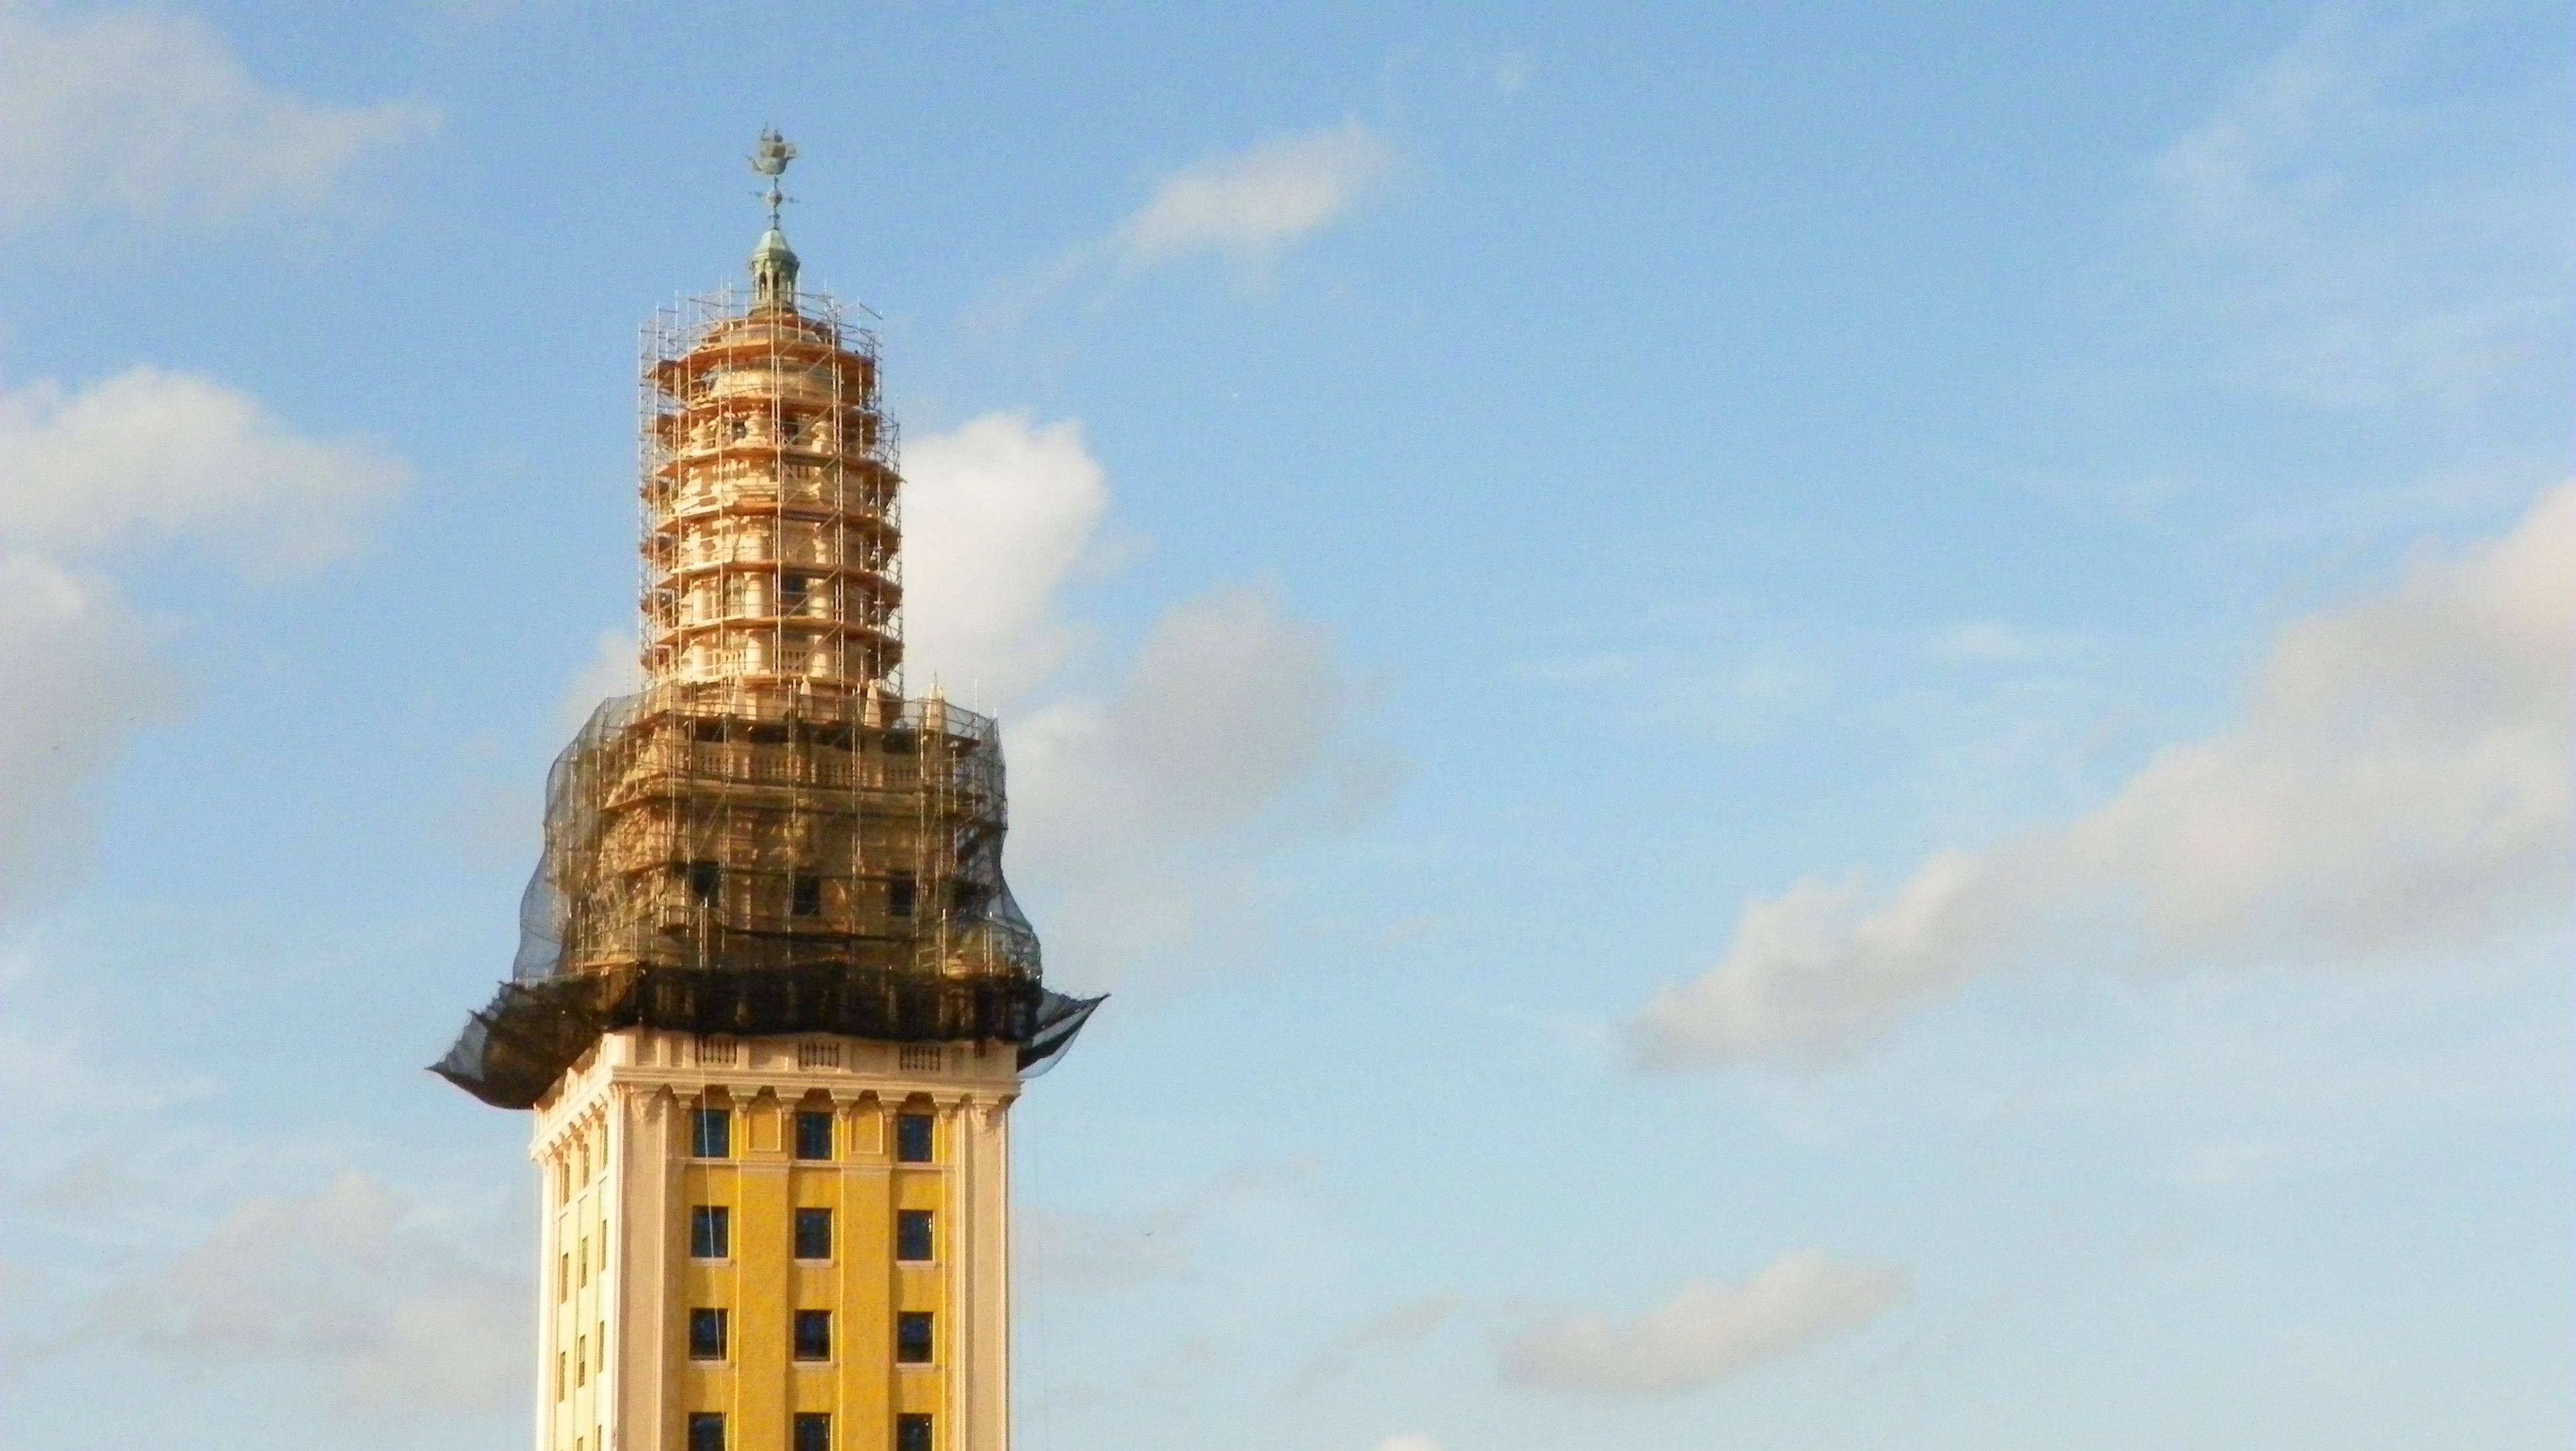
pixel 906 1423
pixel 715 1315
pixel 809 1118
pixel 904 1320
pixel 804 1421
pixel 699 1425
pixel 798 1218
pixel 906 1222
pixel 800 1323
pixel 904 1121
pixel 711 1125
pixel 711 1221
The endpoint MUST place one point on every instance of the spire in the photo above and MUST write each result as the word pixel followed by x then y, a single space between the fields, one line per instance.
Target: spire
pixel 773 263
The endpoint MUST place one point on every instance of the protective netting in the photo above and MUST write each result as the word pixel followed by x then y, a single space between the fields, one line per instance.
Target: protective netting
pixel 767 860
pixel 767 839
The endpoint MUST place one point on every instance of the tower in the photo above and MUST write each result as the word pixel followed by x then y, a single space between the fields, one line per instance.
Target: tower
pixel 772 1001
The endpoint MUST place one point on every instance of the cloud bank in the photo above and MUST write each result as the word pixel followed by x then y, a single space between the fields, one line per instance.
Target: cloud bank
pixel 1706 1333
pixel 150 112
pixel 148 455
pixel 1141 794
pixel 86 475
pixel 344 1284
pixel 2399 784
pixel 998 516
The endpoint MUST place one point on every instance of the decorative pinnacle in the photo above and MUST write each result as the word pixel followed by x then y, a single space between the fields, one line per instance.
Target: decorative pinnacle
pixel 770 159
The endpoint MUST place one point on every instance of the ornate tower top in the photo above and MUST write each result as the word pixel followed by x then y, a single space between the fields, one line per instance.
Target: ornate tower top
pixel 768 840
pixel 773 263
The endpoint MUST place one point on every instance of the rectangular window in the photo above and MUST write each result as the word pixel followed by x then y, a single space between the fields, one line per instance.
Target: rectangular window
pixel 563 1374
pixel 807 898
pixel 912 1234
pixel 563 1276
pixel 813 1335
pixel 911 1432
pixel 901 893
pixel 706 883
pixel 912 1337
pixel 813 1431
pixel 581 1361
pixel 813 1135
pixel 813 1234
pixel 584 1252
pixel 912 1138
pixel 706 1431
pixel 792 589
pixel 707 1334
pixel 711 1133
pixel 710 1232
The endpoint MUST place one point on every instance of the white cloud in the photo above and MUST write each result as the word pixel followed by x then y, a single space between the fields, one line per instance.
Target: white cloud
pixel 2400 786
pixel 2351 252
pixel 151 112
pixel 998 515
pixel 1136 801
pixel 78 677
pixel 149 455
pixel 1142 798
pixel 615 667
pixel 1706 1333
pixel 144 457
pixel 1255 203
pixel 1140 806
pixel 346 1285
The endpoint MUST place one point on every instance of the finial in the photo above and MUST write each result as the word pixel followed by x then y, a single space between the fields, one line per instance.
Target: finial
pixel 770 159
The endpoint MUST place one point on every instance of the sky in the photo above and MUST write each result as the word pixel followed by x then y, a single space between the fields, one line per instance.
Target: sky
pixel 1819 727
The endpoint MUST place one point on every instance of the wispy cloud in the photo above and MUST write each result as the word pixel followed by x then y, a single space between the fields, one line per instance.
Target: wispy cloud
pixel 1125 1248
pixel 2403 783
pixel 344 1286
pixel 149 112
pixel 1706 1333
pixel 2349 251
pixel 1251 205
pixel 1394 1328
pixel 1244 209
pixel 1983 641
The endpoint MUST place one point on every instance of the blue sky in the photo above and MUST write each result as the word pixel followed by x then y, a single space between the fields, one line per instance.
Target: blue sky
pixel 1816 727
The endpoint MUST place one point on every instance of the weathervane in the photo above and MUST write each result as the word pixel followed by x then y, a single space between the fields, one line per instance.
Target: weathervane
pixel 770 159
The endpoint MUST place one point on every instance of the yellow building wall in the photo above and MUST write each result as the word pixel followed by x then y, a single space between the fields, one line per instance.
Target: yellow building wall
pixel 621 1328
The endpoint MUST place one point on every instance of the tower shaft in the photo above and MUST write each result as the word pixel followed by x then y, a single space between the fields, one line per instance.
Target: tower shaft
pixel 842 1206
pixel 773 1000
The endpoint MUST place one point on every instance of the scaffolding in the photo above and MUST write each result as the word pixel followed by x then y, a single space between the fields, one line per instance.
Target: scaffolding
pixel 768 838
